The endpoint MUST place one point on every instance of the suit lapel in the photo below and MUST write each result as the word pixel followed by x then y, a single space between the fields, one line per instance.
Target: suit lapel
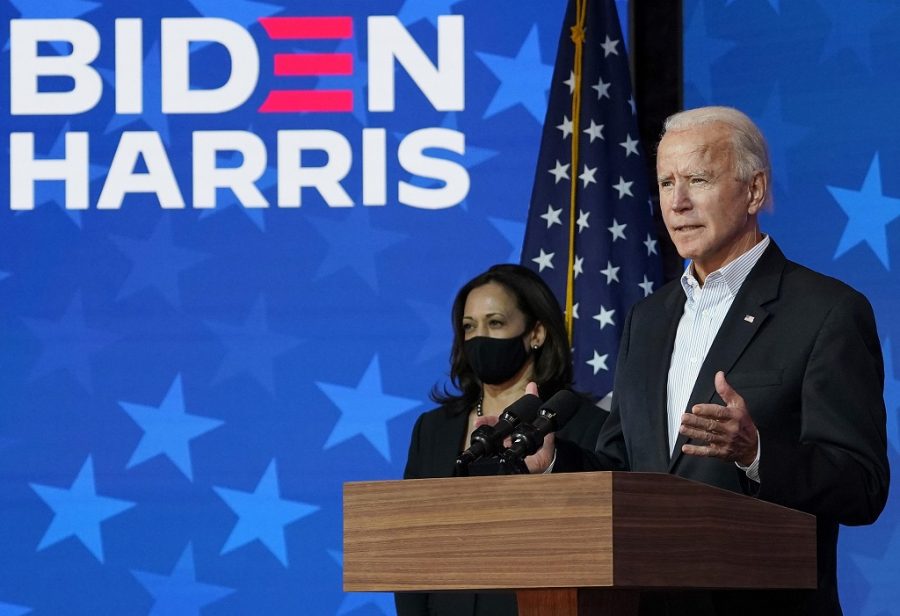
pixel 658 364
pixel 743 320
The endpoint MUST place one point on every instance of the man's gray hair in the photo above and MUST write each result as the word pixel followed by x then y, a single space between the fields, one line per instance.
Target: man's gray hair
pixel 751 154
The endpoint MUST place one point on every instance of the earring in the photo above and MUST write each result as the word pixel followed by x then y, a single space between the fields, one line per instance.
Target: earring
pixel 535 347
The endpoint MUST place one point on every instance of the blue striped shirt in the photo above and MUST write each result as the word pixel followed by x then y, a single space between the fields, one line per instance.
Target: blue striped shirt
pixel 703 314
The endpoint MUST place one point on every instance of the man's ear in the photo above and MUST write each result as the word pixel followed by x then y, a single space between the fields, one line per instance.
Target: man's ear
pixel 757 189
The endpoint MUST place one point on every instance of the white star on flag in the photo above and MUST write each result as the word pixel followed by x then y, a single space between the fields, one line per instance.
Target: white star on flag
pixel 594 131
pixel 623 187
pixel 544 260
pixel 577 266
pixel 630 146
pixel 611 273
pixel 582 221
pixel 618 230
pixel 605 317
pixel 552 216
pixel 602 88
pixel 598 362
pixel 609 47
pixel 561 172
pixel 566 127
pixel 647 286
pixel 650 243
pixel 587 176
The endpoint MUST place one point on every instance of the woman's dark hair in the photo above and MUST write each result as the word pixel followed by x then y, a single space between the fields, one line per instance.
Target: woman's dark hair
pixel 552 361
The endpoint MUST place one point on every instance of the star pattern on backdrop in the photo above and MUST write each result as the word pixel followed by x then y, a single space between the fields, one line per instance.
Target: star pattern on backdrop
pixel 68 342
pixel 701 49
pixel 251 347
pixel 41 9
pixel 168 429
pixel 156 262
pixel 244 12
pixel 353 601
pixel 10 609
pixel 414 11
pixel 365 410
pixel 512 231
pixel 263 515
pixel 78 511
pixel 884 593
pixel 180 592
pixel 346 251
pixel 851 28
pixel 523 79
pixel 781 136
pixel 868 211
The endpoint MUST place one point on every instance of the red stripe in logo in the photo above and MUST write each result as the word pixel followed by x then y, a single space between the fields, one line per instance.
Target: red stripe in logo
pixel 288 101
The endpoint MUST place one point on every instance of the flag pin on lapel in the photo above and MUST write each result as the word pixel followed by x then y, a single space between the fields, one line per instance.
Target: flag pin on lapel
pixel 749 318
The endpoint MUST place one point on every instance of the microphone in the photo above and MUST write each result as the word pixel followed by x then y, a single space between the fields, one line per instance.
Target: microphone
pixel 555 414
pixel 486 440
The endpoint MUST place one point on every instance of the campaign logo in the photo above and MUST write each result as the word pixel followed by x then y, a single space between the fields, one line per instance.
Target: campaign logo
pixel 141 163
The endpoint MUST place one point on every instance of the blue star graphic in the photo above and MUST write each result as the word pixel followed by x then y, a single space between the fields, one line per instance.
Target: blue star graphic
pixel 414 10
pixel 353 243
pixel 244 12
pixel 41 9
pixel 851 26
pixel 78 511
pixel 268 180
pixel 8 609
pixel 352 601
pixel 152 115
pixel 514 233
pixel 365 410
pixel 869 212
pixel 68 343
pixel 54 192
pixel 781 136
pixel 524 79
pixel 168 429
pixel 180 592
pixel 263 514
pixel 251 348
pixel 701 50
pixel 891 396
pixel 439 335
pixel 881 576
pixel 156 261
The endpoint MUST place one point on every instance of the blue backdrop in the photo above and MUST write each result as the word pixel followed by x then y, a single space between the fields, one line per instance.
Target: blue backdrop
pixel 184 389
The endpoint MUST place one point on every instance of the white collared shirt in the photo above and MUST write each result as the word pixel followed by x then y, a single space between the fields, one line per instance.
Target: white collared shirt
pixel 704 311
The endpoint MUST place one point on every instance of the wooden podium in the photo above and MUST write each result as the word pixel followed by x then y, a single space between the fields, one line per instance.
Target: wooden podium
pixel 572 543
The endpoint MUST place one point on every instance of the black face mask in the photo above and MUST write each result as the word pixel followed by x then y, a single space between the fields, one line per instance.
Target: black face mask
pixel 495 360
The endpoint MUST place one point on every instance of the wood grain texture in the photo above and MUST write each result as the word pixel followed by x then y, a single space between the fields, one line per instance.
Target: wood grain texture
pixel 579 530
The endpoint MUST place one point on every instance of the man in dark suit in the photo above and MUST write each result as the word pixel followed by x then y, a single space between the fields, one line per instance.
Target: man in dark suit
pixel 751 372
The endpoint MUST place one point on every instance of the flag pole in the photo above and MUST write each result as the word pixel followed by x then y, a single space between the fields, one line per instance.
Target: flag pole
pixel 578 39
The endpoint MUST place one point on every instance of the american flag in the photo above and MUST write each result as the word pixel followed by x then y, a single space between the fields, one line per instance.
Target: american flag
pixel 590 231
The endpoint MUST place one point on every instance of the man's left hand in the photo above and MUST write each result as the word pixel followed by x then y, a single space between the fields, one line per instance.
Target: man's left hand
pixel 728 430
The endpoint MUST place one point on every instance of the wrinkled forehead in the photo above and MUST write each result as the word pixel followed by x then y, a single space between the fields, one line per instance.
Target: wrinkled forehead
pixel 703 148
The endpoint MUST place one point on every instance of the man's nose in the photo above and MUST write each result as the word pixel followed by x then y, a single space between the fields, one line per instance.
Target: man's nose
pixel 680 198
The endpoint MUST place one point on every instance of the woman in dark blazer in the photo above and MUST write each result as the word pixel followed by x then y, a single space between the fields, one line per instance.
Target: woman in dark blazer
pixel 508 331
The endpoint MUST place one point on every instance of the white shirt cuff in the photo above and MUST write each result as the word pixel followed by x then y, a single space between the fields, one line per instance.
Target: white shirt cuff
pixel 752 471
pixel 552 462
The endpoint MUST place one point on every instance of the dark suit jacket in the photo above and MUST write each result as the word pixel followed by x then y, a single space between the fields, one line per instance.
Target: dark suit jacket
pixel 436 442
pixel 803 351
